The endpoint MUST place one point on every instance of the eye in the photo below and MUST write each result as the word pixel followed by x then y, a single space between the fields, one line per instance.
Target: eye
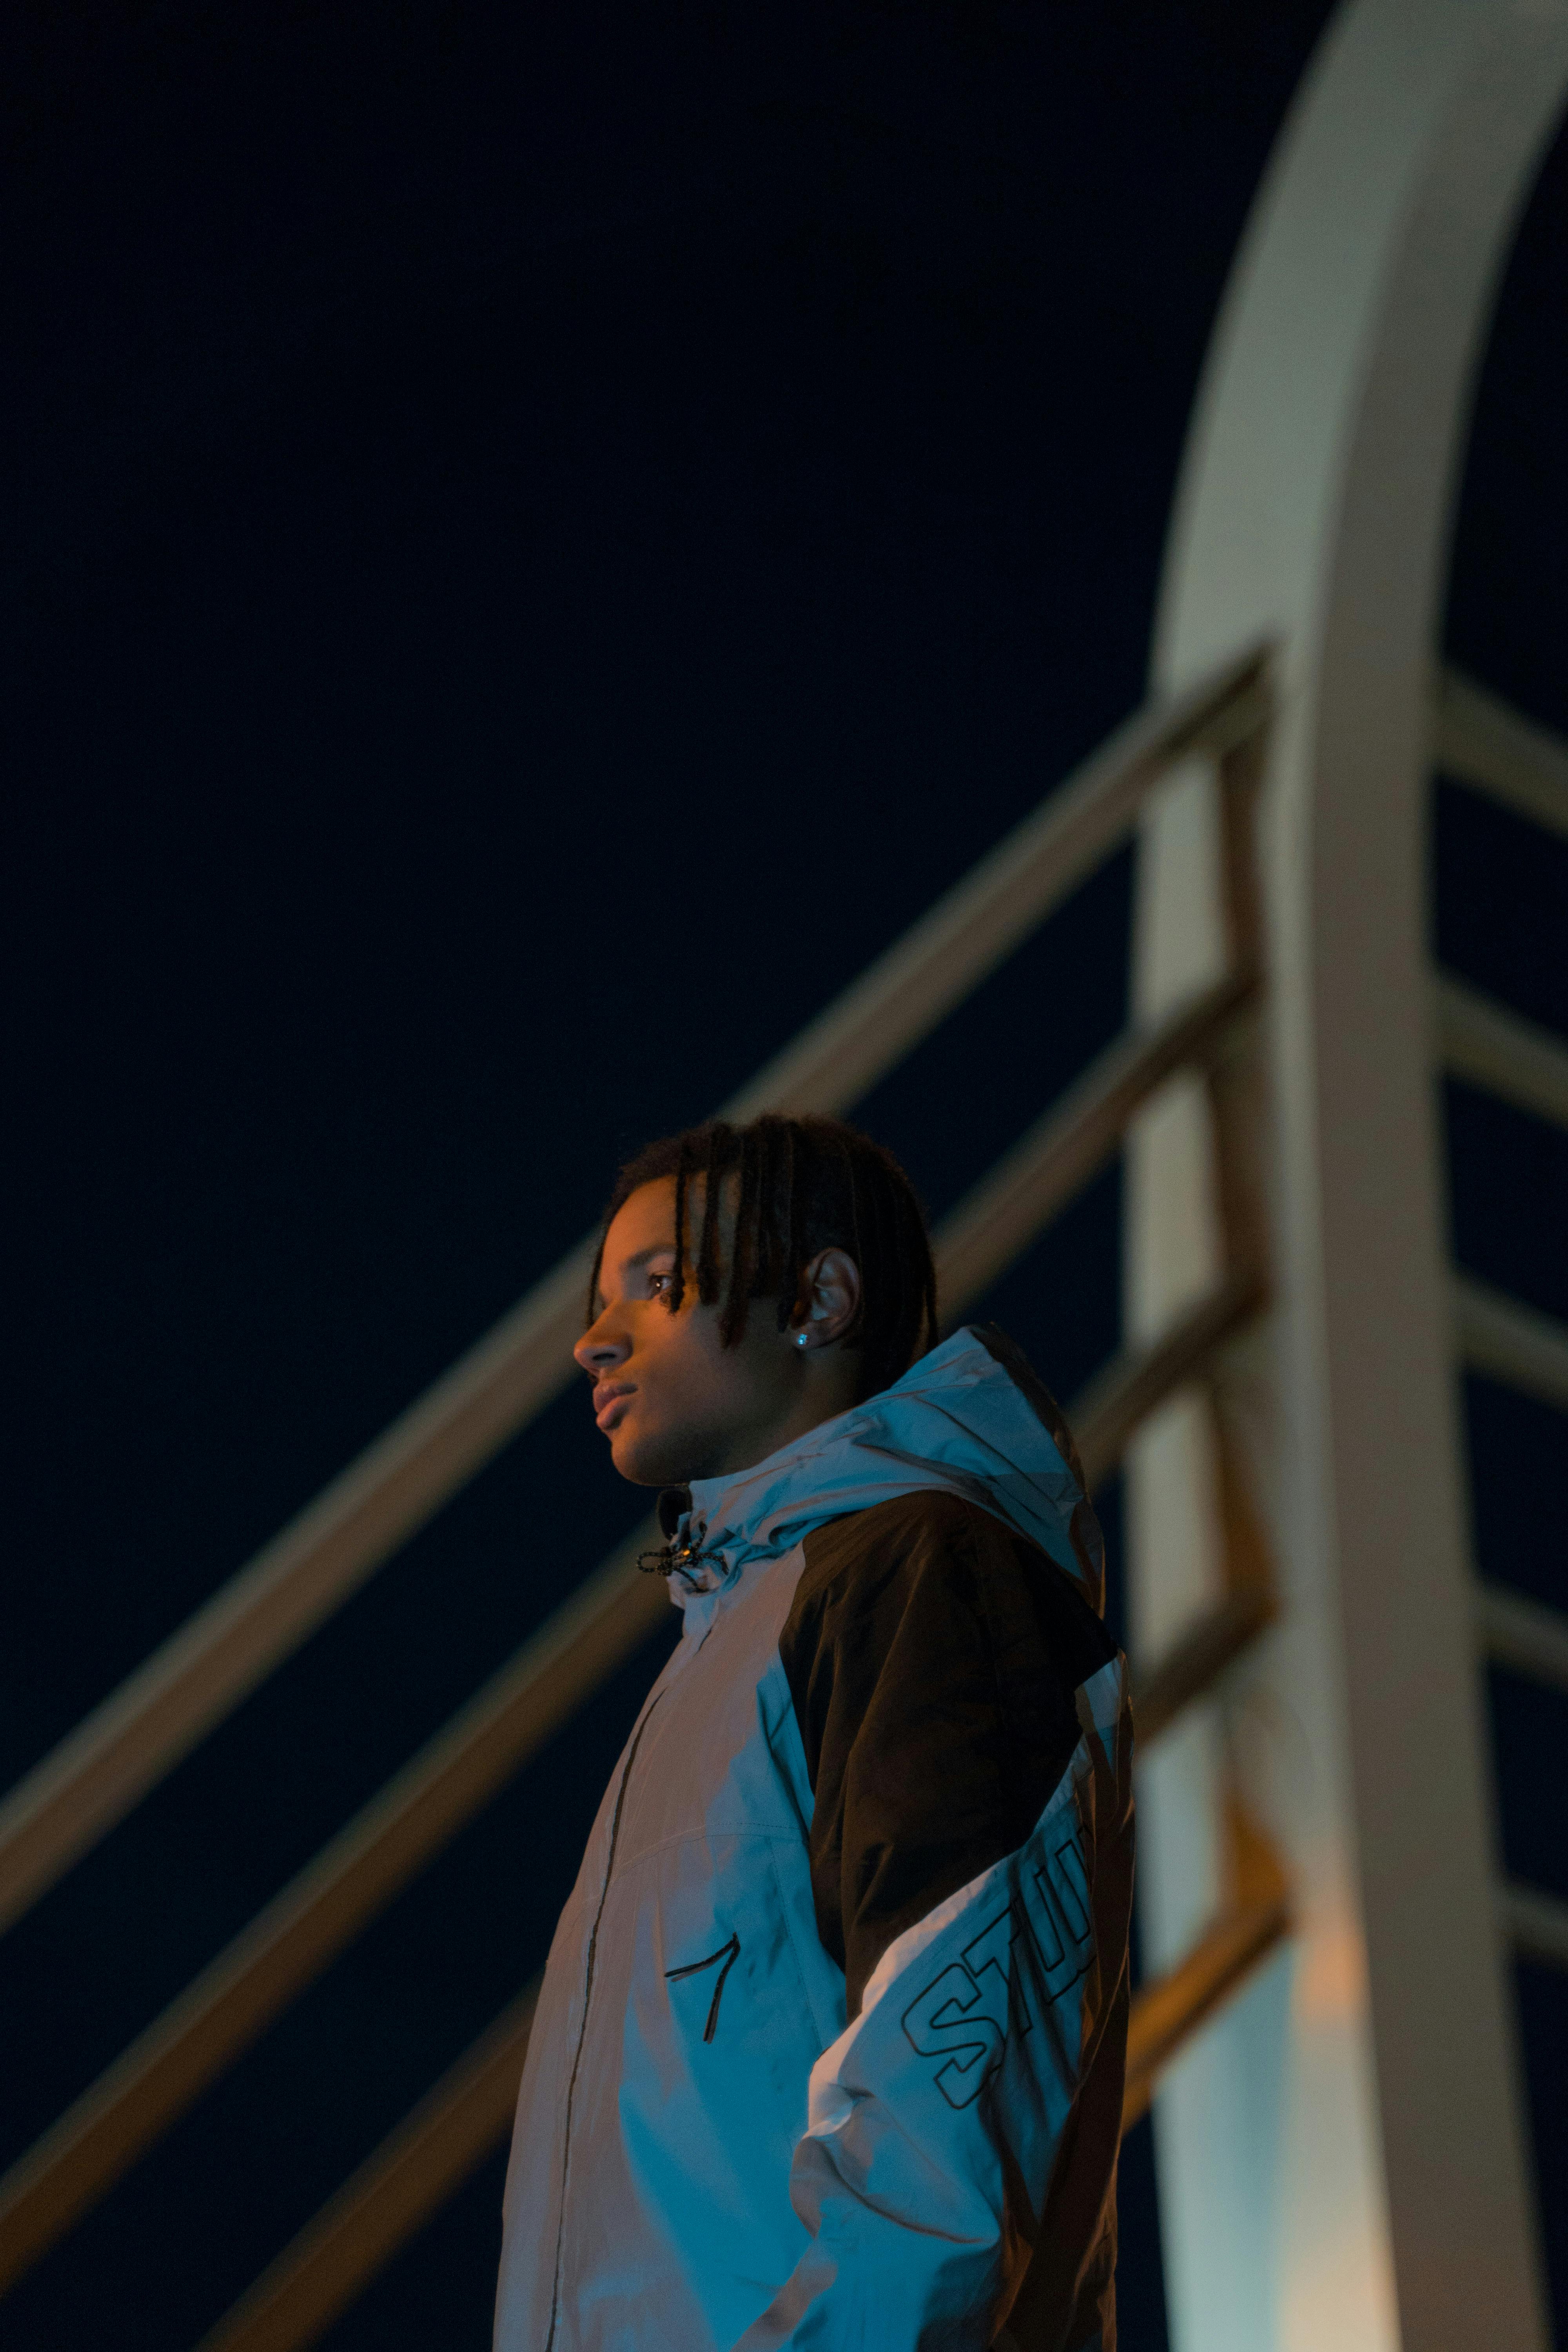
pixel 660 1285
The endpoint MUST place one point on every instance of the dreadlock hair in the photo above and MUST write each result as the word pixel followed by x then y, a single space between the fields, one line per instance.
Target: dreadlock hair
pixel 804 1185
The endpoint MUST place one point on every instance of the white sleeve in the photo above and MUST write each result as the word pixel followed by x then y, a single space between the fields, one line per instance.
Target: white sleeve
pixel 944 2101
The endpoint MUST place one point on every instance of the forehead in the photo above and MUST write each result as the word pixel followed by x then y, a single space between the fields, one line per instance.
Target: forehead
pixel 642 1222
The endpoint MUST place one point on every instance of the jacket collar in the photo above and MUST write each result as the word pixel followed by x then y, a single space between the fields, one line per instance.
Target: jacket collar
pixel 958 1423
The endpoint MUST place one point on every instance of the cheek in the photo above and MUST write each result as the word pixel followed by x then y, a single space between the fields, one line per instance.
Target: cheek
pixel 692 1375
pixel 682 1359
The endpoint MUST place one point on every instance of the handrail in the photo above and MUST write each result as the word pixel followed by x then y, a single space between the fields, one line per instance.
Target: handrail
pixel 1482 743
pixel 356 1874
pixel 461 1421
pixel 1076 1136
pixel 1197 1658
pixel 402 2182
pixel 1139 1379
pixel 1487 1046
pixel 376 1853
pixel 901 998
pixel 1168 2013
pixel 1510 1342
pixel 119 1751
pixel 125 1746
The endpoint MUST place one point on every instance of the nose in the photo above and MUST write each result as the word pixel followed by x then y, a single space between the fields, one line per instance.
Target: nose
pixel 601 1349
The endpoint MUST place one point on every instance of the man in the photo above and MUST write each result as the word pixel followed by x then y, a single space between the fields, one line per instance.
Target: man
pixel 830 2046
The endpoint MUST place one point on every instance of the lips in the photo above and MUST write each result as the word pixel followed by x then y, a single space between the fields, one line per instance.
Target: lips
pixel 610 1401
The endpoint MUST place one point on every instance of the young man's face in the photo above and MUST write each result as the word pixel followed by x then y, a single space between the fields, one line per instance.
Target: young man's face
pixel 674 1401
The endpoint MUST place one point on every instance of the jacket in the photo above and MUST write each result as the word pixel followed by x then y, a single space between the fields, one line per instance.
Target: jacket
pixel 830 2044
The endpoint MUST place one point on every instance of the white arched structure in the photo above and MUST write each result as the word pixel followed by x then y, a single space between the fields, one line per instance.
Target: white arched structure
pixel 1340 2155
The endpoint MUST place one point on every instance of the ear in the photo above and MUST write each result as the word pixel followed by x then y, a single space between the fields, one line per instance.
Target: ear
pixel 831 1296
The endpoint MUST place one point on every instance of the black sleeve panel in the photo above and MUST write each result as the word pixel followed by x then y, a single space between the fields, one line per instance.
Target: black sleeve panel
pixel 1088 1543
pixel 932 1655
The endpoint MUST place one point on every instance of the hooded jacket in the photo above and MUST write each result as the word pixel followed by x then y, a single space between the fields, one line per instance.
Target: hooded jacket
pixel 830 2045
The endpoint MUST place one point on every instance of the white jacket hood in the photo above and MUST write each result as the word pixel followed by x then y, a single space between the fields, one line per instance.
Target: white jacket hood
pixel 959 1422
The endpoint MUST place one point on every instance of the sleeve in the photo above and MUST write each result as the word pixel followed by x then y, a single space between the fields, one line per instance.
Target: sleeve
pixel 962 1713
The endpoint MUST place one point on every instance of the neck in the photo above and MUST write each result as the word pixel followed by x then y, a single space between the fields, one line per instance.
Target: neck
pixel 821 1399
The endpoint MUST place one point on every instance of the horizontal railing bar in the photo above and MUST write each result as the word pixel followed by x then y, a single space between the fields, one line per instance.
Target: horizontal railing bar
pixel 1487 1046
pixel 415 2168
pixel 1510 1342
pixel 1168 2013
pixel 1523 1634
pixel 1074 1139
pixel 233 2000
pixel 1536 1925
pixel 1481 740
pixel 1137 1381
pixel 375 1854
pixel 125 1746
pixel 469 2112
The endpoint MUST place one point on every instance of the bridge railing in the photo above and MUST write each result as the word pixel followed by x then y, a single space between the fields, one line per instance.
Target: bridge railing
pixel 103 1768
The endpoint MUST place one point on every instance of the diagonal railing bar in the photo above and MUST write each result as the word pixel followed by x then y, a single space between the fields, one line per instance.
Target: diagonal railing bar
pixel 331 2259
pixel 1168 2013
pixel 1510 1342
pixel 1196 1659
pixel 904 995
pixel 1487 1046
pixel 1138 1381
pixel 237 1995
pixel 374 1854
pixel 1076 1137
pixel 415 2168
pixel 1483 742
pixel 159 1713
pixel 125 1746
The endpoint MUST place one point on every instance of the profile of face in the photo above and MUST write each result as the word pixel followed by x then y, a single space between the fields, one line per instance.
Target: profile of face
pixel 674 1401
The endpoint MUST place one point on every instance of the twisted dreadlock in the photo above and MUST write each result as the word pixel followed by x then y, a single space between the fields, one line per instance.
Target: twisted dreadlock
pixel 804 1185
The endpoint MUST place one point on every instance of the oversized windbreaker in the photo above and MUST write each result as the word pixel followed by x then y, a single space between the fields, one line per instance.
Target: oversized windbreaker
pixel 830 2045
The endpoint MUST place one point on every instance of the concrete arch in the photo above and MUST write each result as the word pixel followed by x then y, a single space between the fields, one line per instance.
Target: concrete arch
pixel 1342 2157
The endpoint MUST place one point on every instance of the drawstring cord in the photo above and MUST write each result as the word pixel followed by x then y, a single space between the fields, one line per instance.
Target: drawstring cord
pixel 671 1557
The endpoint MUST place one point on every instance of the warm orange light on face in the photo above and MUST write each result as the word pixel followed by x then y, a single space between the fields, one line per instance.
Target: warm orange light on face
pixel 674 1401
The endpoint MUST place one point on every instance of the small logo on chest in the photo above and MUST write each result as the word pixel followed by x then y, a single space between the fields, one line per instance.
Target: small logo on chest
pixel 723 1959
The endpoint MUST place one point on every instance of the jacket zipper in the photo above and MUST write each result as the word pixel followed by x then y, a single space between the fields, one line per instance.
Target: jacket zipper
pixel 582 2030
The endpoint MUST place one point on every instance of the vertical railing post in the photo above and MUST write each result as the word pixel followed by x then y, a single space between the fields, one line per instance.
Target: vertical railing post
pixel 1340 2155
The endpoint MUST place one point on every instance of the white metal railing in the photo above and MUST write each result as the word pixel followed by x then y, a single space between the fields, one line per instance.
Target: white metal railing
pixel 398 2186
pixel 270 1606
pixel 264 1612
pixel 591 1633
pixel 999 1219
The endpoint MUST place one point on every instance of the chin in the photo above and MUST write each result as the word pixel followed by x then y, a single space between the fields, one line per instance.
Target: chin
pixel 648 1460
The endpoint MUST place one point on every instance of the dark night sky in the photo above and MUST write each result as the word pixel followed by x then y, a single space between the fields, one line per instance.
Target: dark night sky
pixel 532 550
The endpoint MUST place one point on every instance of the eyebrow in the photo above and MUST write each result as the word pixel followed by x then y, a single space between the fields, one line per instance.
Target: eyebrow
pixel 641 1257
pixel 634 1265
